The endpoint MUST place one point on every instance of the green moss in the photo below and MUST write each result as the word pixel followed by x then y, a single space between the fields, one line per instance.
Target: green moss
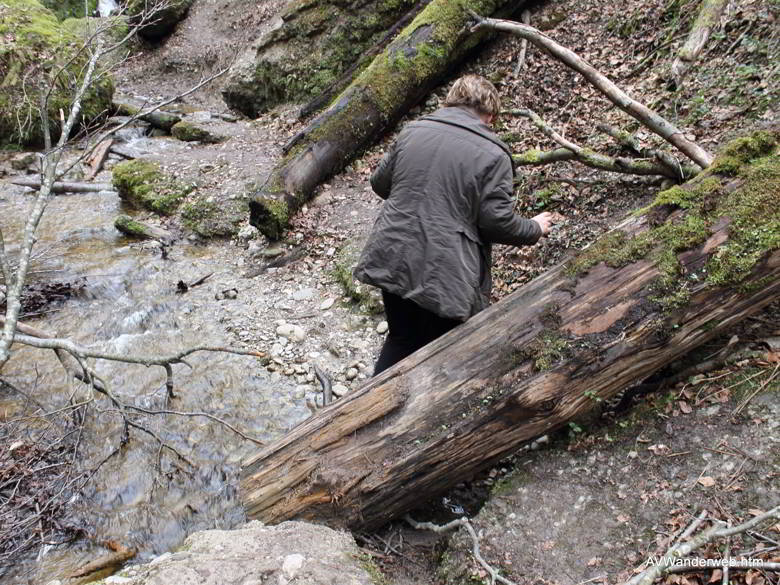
pixel 214 220
pixel 369 566
pixel 35 46
pixel 129 226
pixel 751 209
pixel 742 150
pixel 143 184
pixel 547 349
pixel 362 295
pixel 755 217
pixel 189 132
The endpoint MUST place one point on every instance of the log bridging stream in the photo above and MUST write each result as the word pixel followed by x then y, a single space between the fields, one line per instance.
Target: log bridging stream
pixel 671 277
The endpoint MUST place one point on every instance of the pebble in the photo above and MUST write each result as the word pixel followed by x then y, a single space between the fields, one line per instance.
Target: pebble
pixel 340 390
pixel 382 327
pixel 291 332
pixel 303 294
pixel 292 564
pixel 327 304
pixel 351 374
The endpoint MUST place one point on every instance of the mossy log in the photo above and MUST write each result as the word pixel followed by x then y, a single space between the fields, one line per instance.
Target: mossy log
pixel 397 78
pixel 138 229
pixel 672 276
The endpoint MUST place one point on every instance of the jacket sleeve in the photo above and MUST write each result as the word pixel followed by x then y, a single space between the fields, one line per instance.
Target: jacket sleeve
pixel 497 221
pixel 382 177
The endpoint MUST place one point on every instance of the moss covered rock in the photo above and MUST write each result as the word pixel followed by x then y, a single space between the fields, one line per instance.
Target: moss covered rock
pixel 189 132
pixel 313 44
pixel 35 46
pixel 143 184
pixel 158 24
pixel 212 219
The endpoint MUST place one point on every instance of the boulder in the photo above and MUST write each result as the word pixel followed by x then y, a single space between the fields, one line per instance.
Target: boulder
pixel 144 184
pixel 305 49
pixel 291 552
pixel 29 31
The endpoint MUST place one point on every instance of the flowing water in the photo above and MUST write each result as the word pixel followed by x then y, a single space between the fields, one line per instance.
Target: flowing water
pixel 129 305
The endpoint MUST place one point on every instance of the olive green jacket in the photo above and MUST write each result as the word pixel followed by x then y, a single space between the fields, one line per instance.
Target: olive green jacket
pixel 447 182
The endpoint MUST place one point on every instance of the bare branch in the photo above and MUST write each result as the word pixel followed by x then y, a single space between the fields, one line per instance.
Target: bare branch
pixel 196 414
pixel 680 549
pixel 457 523
pixel 590 158
pixel 642 113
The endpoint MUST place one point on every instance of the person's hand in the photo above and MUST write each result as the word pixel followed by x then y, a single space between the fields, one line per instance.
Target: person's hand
pixel 545 221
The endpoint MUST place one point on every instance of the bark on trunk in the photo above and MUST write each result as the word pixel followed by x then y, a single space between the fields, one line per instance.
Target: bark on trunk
pixel 665 281
pixel 397 78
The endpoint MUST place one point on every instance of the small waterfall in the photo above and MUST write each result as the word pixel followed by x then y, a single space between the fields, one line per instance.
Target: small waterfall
pixel 107 7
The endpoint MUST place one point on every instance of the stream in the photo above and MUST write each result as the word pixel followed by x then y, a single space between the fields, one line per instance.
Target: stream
pixel 130 305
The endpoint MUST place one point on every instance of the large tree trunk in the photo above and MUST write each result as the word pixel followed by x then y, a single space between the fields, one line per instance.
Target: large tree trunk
pixel 681 272
pixel 397 78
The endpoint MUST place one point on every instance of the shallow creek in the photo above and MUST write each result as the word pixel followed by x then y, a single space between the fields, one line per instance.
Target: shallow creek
pixel 130 305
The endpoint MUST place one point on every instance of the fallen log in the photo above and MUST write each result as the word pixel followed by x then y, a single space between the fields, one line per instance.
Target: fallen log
pixel 697 260
pixel 397 78
pixel 707 19
pixel 98 157
pixel 62 186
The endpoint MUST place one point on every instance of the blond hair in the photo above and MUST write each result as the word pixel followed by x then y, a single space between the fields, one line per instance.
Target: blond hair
pixel 476 92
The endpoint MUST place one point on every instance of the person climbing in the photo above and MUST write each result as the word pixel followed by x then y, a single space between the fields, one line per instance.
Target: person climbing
pixel 447 185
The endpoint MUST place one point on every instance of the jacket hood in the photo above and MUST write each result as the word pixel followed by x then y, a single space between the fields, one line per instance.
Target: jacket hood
pixel 463 118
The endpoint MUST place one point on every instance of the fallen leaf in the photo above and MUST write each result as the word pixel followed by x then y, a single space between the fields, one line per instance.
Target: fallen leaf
pixel 706 481
pixel 685 408
pixel 717 575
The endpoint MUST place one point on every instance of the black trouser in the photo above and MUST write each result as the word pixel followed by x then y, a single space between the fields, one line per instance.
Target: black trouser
pixel 409 328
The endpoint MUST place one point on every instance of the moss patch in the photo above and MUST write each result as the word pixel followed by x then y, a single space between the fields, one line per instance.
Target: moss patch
pixel 214 220
pixel 188 132
pixel 35 46
pixel 751 208
pixel 143 184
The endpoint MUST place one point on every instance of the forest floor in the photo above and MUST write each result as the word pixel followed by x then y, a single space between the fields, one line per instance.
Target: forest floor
pixel 305 279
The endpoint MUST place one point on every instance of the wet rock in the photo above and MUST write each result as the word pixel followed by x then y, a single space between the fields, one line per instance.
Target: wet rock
pixel 290 552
